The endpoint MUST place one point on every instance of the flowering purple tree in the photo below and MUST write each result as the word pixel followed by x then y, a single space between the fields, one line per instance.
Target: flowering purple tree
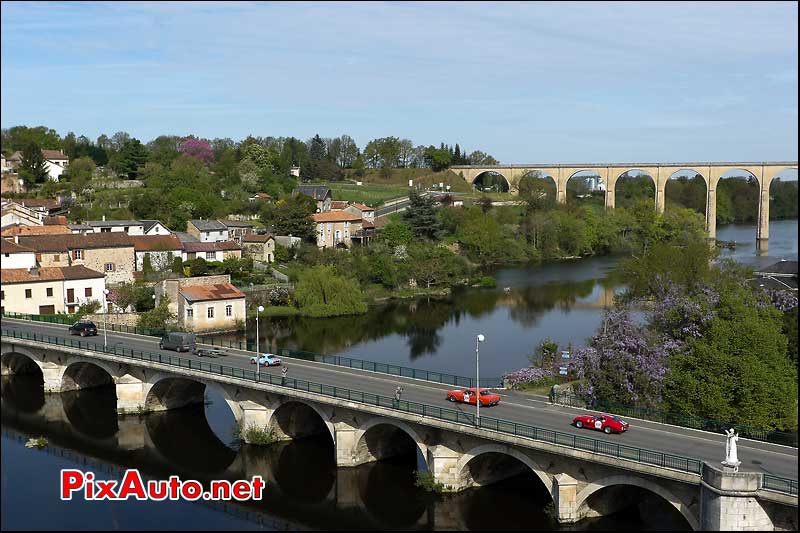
pixel 623 362
pixel 199 148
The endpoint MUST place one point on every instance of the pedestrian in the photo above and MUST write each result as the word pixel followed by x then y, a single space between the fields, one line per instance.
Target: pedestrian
pixel 398 391
pixel 284 370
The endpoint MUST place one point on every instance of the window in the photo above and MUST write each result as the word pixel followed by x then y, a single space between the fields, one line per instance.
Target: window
pixel 210 312
pixel 77 254
pixel 210 256
pixel 56 258
pixel 109 267
pixel 87 292
pixel 2 295
pixel 105 230
pixel 126 229
pixel 28 293
pixel 189 312
pixel 228 310
pixel 49 292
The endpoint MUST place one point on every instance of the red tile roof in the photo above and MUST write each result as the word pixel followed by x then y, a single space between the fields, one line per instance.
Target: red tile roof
pixel 336 216
pixel 72 241
pixel 151 243
pixel 254 237
pixel 363 207
pixel 338 205
pixel 24 275
pixel 220 291
pixel 10 247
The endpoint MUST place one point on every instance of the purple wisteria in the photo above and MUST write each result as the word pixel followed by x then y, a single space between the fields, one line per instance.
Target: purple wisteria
pixel 782 300
pixel 527 375
pixel 199 148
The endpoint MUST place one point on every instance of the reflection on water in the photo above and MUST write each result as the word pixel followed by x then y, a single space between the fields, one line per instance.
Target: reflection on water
pixel 782 242
pixel 304 487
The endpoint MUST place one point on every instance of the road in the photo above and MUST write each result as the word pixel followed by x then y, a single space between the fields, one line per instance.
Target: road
pixel 517 407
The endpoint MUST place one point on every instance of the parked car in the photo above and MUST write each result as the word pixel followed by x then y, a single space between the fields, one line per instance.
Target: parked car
pixel 178 341
pixel 469 396
pixel 83 328
pixel 601 422
pixel 266 359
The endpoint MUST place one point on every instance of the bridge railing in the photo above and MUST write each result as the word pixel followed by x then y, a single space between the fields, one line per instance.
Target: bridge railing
pixel 677 419
pixel 588 444
pixel 337 360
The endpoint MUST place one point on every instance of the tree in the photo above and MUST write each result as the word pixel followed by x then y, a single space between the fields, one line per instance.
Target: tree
pixel 33 168
pixel 421 216
pixel 485 203
pixel 316 149
pixel 320 291
pixel 158 318
pixel 292 216
pixel 131 156
pixel 79 172
pixel 438 159
pixel 198 148
pixel 435 265
pixel 395 234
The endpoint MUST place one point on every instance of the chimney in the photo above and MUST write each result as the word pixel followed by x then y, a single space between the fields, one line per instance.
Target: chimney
pixel 34 271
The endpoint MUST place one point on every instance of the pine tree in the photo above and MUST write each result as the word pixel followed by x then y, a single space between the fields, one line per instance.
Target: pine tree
pixel 34 166
pixel 421 216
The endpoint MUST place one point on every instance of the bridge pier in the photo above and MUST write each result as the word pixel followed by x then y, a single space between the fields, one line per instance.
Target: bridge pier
pixel 565 498
pixel 729 501
pixel 443 463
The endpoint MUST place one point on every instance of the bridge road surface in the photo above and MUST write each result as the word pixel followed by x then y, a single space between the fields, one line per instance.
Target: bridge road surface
pixel 756 456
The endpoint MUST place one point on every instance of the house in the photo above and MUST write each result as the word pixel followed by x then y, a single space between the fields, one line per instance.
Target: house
pixel 46 206
pixel 10 182
pixel 204 304
pixel 110 253
pixel 211 251
pixel 49 290
pixel 207 230
pixel 336 228
pixel 20 230
pixel 338 205
pixel 320 194
pixel 259 247
pixel 261 197
pixel 155 227
pixel 55 161
pixel 363 211
pixel 16 256
pixel 238 229
pixel 287 241
pixel 131 227
pixel 13 213
pixel 161 250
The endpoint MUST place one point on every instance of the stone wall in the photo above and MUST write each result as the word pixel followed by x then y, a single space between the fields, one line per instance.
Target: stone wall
pixel 118 319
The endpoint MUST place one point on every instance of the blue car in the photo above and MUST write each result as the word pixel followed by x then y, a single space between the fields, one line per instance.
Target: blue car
pixel 266 359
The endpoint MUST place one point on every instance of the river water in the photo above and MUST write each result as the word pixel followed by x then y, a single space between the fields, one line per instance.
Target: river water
pixel 562 301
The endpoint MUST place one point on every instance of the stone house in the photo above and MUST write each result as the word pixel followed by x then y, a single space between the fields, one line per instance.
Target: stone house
pixel 322 195
pixel 110 253
pixel 204 304
pixel 161 249
pixel 260 247
pixel 336 228
pixel 238 229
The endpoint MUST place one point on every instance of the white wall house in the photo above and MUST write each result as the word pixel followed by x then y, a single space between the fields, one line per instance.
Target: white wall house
pixel 49 290
pixel 55 162
pixel 16 256
pixel 155 227
pixel 207 230
pixel 84 290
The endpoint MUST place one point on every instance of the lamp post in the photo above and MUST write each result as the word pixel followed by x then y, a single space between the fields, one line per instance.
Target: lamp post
pixel 478 342
pixel 258 353
pixel 105 312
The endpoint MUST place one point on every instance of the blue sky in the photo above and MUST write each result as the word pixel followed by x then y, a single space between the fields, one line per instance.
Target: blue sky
pixel 536 82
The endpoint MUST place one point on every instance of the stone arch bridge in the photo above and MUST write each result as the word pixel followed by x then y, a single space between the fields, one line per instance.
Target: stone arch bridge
pixel 763 172
pixel 582 483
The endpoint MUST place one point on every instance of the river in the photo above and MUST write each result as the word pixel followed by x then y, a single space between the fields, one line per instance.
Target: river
pixel 562 301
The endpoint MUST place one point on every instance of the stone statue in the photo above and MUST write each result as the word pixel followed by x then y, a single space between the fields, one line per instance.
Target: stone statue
pixel 731 456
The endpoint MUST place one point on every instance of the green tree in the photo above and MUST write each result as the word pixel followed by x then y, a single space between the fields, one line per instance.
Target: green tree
pixel 320 291
pixel 421 216
pixel 292 216
pixel 395 234
pixel 130 157
pixel 33 168
pixel 159 317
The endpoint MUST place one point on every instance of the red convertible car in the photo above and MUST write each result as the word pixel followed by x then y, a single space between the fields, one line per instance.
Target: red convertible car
pixel 470 395
pixel 605 423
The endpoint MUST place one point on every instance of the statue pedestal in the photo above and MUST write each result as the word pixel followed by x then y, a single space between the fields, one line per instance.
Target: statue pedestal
pixel 729 500
pixel 731 467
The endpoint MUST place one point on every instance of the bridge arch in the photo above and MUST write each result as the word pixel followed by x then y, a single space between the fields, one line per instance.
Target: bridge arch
pixel 628 192
pixel 166 391
pixel 81 374
pixel 467 477
pixel 585 183
pixel 688 194
pixel 666 494
pixel 488 178
pixel 379 438
pixel 541 182
pixel 20 361
pixel 296 419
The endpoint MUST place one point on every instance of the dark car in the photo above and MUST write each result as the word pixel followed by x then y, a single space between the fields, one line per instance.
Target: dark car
pixel 83 328
pixel 178 341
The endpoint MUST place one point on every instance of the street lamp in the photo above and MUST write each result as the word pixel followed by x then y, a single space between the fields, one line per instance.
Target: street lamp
pixel 105 312
pixel 259 309
pixel 478 342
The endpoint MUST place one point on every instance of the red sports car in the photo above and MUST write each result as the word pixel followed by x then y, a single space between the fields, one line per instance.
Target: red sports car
pixel 604 423
pixel 470 395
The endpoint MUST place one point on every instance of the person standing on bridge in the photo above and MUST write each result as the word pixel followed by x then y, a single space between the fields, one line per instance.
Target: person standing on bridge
pixel 397 393
pixel 284 371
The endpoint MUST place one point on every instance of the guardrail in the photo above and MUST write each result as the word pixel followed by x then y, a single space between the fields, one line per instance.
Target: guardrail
pixel 630 453
pixel 779 484
pixel 337 360
pixel 677 419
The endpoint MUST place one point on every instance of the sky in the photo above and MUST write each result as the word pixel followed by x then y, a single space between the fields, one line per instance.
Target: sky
pixel 525 82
